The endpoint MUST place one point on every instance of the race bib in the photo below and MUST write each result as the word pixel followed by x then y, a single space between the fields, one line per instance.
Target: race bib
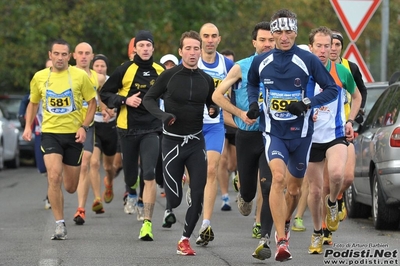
pixel 60 104
pixel 278 102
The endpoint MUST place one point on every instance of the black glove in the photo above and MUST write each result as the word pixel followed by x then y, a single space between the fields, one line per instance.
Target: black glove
pixel 297 108
pixel 168 119
pixel 22 121
pixel 216 111
pixel 254 111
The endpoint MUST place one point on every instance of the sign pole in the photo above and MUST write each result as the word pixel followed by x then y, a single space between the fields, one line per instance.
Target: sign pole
pixel 384 38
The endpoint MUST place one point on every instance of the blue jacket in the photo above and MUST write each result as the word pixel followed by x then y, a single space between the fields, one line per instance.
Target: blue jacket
pixel 286 76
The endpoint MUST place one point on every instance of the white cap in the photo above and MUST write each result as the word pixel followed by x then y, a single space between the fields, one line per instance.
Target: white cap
pixel 169 57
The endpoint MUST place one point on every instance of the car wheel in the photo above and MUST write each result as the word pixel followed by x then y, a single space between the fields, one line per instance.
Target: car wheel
pixel 385 216
pixel 15 162
pixel 355 209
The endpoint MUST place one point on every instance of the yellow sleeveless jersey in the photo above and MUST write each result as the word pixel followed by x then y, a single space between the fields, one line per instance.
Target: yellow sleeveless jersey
pixel 62 97
pixel 347 104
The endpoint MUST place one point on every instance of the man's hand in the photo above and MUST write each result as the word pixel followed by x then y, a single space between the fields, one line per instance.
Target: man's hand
pixel 254 111
pixel 80 136
pixel 106 116
pixel 168 119
pixel 349 132
pixel 27 135
pixel 246 119
pixel 213 111
pixel 297 108
pixel 134 100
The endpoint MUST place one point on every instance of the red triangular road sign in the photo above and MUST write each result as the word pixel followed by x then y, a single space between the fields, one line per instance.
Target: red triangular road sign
pixel 355 14
pixel 353 54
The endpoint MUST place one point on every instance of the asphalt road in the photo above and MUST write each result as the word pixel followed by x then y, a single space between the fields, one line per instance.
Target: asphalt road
pixel 112 238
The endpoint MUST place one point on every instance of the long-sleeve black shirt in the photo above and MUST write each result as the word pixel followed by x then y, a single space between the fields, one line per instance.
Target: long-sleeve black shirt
pixel 359 82
pixel 185 91
pixel 130 78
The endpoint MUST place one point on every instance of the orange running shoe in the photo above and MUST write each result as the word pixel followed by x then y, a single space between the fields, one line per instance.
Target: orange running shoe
pixel 79 217
pixel 97 206
pixel 184 248
pixel 108 194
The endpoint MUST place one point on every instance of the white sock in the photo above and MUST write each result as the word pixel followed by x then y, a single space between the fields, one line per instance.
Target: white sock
pixel 206 223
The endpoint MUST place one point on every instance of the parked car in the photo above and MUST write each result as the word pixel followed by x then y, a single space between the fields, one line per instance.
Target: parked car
pixel 374 90
pixel 12 103
pixel 9 148
pixel 376 184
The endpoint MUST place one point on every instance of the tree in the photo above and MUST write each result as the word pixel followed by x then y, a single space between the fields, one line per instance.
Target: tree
pixel 28 26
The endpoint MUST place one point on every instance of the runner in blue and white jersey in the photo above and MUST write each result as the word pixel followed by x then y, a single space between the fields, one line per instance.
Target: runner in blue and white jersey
pixel 217 66
pixel 285 72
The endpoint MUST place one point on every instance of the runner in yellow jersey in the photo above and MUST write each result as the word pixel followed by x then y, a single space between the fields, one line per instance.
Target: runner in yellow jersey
pixel 62 90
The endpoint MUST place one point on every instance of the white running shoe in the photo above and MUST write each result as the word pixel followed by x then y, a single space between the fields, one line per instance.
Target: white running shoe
pixel 130 206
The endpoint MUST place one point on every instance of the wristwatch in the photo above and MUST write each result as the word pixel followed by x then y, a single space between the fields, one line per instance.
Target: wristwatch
pixel 351 121
pixel 86 128
pixel 307 102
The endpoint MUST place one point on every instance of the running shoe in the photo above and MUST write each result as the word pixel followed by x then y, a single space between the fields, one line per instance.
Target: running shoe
pixel 226 206
pixel 244 207
pixel 130 206
pixel 342 209
pixel 184 248
pixel 256 230
pixel 97 206
pixel 188 197
pixel 146 233
pixel 206 235
pixel 282 250
pixel 235 182
pixel 108 194
pixel 287 232
pixel 332 217
pixel 263 250
pixel 125 198
pixel 316 244
pixel 169 219
pixel 60 233
pixel 47 204
pixel 79 217
pixel 140 211
pixel 298 225
pixel 327 237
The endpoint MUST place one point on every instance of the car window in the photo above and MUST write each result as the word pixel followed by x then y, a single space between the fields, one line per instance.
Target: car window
pixel 393 106
pixel 375 117
pixel 373 95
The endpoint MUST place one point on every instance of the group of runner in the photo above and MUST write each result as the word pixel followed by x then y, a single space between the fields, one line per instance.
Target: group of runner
pixel 287 106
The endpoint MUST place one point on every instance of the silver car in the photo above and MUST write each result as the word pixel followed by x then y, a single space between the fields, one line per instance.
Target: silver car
pixel 9 148
pixel 377 172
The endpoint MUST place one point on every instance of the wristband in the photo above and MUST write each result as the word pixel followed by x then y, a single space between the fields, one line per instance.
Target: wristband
pixel 85 128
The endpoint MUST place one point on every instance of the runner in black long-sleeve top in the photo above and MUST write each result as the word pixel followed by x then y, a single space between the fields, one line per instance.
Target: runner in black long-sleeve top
pixel 185 89
pixel 138 129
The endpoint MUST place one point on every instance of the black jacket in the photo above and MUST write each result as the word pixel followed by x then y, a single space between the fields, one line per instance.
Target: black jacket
pixel 128 79
pixel 185 91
